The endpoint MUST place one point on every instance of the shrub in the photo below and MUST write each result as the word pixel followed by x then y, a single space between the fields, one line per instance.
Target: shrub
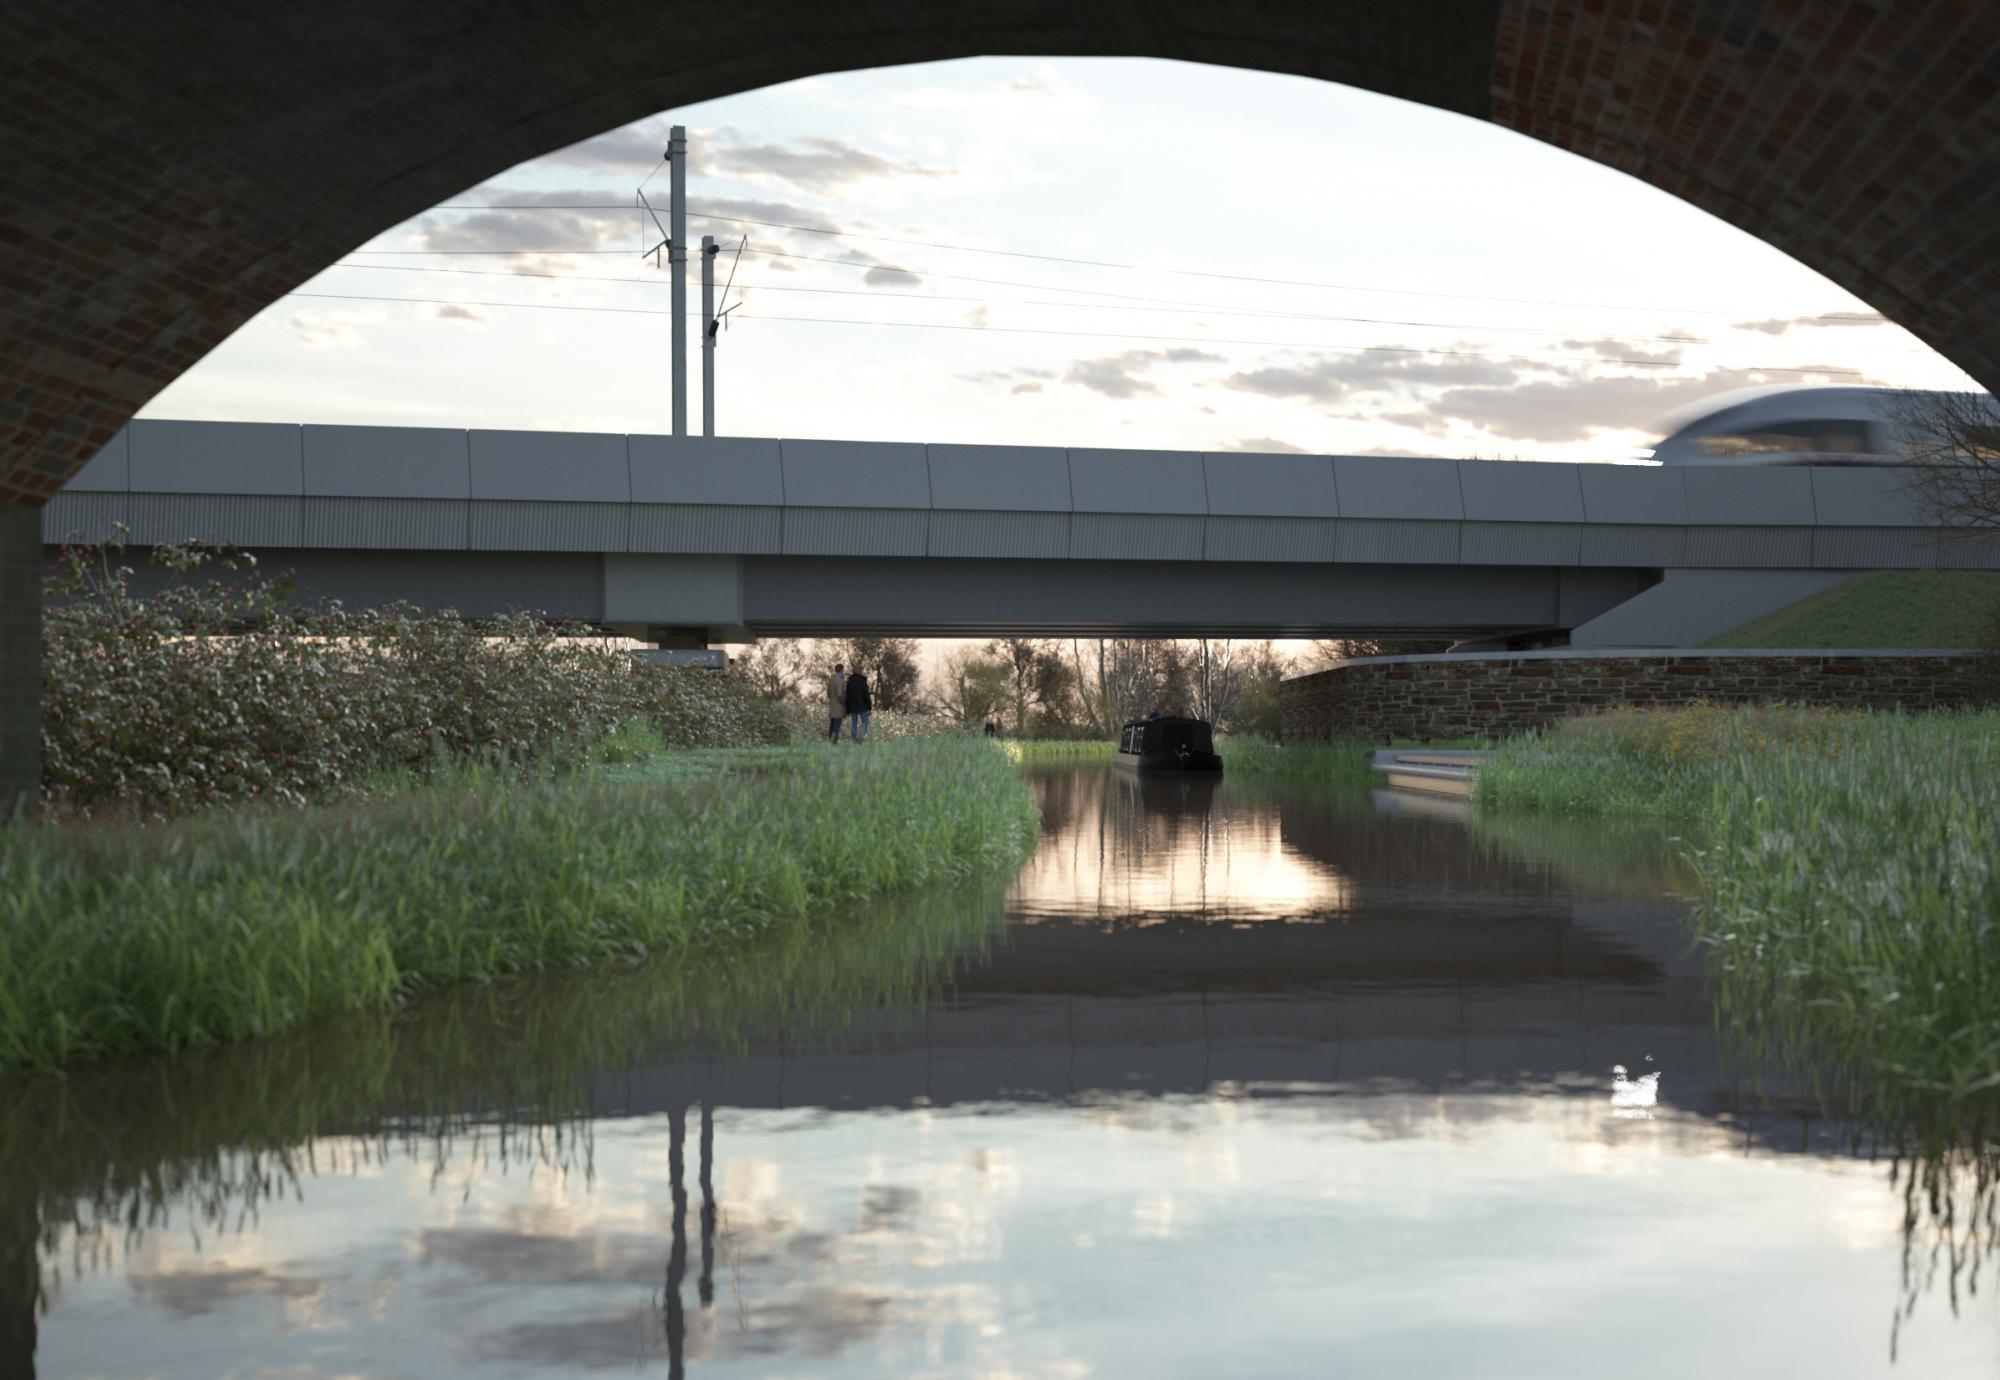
pixel 221 689
pixel 806 723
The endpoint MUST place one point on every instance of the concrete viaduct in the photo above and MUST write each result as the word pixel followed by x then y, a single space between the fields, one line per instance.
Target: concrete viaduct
pixel 169 175
pixel 692 540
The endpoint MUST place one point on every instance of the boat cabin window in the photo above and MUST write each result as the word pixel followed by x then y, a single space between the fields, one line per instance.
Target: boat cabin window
pixel 1166 735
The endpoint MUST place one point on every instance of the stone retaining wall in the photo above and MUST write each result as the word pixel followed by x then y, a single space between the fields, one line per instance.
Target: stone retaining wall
pixel 1489 694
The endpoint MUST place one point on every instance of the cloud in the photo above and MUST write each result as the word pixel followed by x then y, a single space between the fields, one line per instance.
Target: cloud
pixel 1265 445
pixel 1016 380
pixel 814 162
pixel 889 276
pixel 317 330
pixel 521 232
pixel 1625 351
pixel 1114 377
pixel 452 311
pixel 635 149
pixel 191 1292
pixel 1119 376
pixel 1778 325
pixel 1330 378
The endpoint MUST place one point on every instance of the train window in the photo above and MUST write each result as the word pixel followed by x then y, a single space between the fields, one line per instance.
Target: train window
pixel 1828 437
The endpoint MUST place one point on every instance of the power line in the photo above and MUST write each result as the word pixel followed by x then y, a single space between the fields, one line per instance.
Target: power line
pixel 1142 268
pixel 1164 304
pixel 1152 303
pixel 1085 335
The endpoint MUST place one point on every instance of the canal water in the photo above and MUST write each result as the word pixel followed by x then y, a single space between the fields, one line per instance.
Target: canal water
pixel 1237 1079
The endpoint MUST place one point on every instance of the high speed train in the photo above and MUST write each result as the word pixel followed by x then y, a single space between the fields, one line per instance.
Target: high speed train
pixel 1798 426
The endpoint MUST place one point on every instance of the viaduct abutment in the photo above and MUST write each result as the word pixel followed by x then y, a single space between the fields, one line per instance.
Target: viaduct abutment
pixel 1379 699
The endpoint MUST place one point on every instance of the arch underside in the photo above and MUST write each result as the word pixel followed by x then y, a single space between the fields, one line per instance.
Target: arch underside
pixel 169 178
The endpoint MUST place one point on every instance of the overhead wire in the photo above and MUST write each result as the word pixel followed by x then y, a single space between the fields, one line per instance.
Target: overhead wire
pixel 1129 303
pixel 1087 335
pixel 1134 268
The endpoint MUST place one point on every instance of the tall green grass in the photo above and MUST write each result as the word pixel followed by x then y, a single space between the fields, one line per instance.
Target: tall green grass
pixel 1060 751
pixel 102 1151
pixel 1849 870
pixel 1339 761
pixel 225 926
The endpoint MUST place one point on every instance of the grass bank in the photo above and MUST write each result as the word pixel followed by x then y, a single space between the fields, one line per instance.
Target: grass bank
pixel 1849 865
pixel 1886 608
pixel 116 1150
pixel 1059 751
pixel 1340 761
pixel 1242 755
pixel 245 923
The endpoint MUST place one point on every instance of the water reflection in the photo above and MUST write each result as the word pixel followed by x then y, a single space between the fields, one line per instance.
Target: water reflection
pixel 1347 1065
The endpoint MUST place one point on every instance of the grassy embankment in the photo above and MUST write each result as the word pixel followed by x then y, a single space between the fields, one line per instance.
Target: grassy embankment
pixel 1341 761
pixel 1887 608
pixel 1850 873
pixel 239 923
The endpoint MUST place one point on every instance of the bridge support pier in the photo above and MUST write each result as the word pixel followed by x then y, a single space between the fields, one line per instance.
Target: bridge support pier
pixel 20 657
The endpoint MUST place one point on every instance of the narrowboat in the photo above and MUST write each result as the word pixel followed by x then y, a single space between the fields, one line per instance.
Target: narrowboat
pixel 1173 744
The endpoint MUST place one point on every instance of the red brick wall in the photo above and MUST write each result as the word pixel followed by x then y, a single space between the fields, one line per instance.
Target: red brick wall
pixel 1476 696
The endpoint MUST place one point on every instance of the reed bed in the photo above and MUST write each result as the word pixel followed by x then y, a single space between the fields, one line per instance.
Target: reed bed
pixel 1849 874
pixel 1340 761
pixel 234 924
pixel 102 1153
pixel 1060 751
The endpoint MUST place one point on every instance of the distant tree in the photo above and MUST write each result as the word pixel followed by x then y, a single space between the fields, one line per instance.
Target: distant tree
pixel 777 667
pixel 1215 676
pixel 972 688
pixel 894 678
pixel 1952 442
pixel 1255 709
pixel 1328 649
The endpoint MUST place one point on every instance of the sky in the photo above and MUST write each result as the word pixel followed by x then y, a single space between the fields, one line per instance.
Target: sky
pixel 1068 252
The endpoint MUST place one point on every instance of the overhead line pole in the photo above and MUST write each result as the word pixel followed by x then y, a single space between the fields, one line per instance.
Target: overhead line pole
pixel 708 325
pixel 677 262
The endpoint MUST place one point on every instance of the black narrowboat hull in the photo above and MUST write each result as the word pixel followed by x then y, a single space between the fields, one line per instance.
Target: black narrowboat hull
pixel 1150 762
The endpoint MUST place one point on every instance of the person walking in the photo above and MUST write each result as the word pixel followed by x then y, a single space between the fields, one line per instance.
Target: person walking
pixel 836 703
pixel 859 705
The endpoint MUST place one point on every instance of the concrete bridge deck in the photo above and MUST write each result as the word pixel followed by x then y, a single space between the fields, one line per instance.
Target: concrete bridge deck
pixel 740 535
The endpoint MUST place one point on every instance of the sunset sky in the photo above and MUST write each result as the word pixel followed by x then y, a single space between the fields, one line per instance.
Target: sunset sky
pixel 1273 263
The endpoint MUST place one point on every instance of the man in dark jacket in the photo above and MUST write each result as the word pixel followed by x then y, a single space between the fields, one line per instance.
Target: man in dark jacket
pixel 859 705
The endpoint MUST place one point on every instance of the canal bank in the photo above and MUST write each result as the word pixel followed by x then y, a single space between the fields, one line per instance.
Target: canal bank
pixel 242 923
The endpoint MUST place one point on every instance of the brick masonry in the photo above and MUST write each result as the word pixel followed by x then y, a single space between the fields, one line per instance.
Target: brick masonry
pixel 169 174
pixel 1425 697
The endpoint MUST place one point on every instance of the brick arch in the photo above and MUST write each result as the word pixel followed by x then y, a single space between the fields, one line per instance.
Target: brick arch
pixel 167 180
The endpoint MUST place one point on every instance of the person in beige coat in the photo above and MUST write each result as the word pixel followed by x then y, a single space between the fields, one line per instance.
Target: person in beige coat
pixel 836 702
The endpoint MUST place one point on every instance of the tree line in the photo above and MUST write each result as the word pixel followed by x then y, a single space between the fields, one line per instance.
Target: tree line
pixel 1057 687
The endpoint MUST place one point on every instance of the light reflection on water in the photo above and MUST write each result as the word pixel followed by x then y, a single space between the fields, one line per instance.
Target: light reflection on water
pixel 1259 1081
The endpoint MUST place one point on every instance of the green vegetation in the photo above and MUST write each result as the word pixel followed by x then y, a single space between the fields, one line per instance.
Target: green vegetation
pixel 1059 751
pixel 806 723
pixel 1849 866
pixel 107 1150
pixel 1343 762
pixel 248 922
pixel 1339 761
pixel 220 691
pixel 1888 608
